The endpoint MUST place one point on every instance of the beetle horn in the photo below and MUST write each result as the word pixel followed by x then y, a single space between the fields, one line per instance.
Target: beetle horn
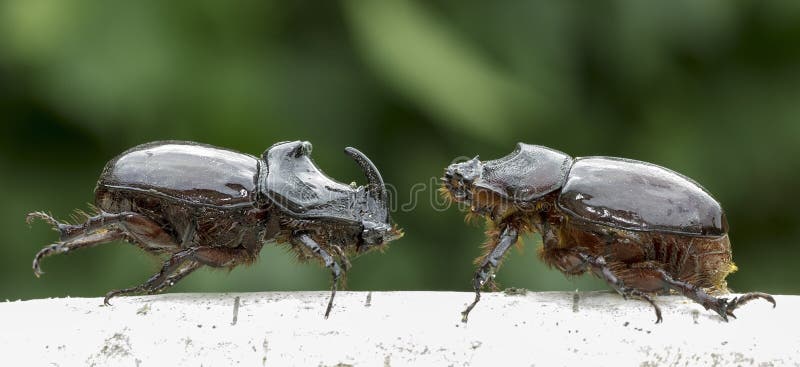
pixel 376 188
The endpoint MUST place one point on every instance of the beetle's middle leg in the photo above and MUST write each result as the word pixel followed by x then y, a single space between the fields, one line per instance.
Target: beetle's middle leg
pixel 599 267
pixel 185 269
pixel 491 261
pixel 336 270
pixel 183 263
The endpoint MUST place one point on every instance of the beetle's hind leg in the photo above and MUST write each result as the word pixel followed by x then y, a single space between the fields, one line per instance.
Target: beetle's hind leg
pixel 64 247
pixel 741 300
pixel 104 228
pixel 721 306
pixel 67 231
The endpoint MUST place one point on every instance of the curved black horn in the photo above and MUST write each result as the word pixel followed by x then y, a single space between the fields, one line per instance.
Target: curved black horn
pixel 376 189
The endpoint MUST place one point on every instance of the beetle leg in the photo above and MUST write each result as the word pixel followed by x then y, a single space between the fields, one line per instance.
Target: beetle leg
pixel 601 269
pixel 486 271
pixel 182 272
pixel 721 306
pixel 67 231
pixel 74 244
pixel 747 297
pixel 330 263
pixel 174 268
pixel 103 228
pixel 141 230
pixel 156 281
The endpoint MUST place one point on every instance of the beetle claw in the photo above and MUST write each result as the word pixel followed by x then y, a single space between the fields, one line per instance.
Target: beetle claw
pixel 47 251
pixel 117 292
pixel 725 307
pixel 108 297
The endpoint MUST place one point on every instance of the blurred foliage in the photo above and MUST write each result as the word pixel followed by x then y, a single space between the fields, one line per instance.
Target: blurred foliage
pixel 708 88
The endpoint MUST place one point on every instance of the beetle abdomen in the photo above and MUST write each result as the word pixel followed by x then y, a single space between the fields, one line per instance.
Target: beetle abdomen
pixel 639 196
pixel 704 261
pixel 186 171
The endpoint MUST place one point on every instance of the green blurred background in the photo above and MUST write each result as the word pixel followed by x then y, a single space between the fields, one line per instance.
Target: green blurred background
pixel 708 88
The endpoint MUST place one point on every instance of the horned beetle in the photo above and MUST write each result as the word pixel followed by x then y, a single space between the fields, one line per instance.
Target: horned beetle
pixel 642 228
pixel 203 205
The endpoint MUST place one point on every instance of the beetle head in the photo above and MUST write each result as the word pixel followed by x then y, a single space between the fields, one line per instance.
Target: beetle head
pixel 459 179
pixel 377 234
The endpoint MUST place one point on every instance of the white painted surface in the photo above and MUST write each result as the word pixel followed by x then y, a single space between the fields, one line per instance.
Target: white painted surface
pixel 397 329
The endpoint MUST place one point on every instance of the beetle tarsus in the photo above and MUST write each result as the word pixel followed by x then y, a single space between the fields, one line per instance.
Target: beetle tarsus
pixel 722 306
pixel 480 279
pixel 336 271
pixel 73 244
pixel 485 273
pixel 63 229
pixel 43 216
pixel 173 270
pixel 330 300
pixel 725 307
pixel 465 313
pixel 47 251
pixel 747 297
pixel 631 292
pixel 336 274
pixel 118 292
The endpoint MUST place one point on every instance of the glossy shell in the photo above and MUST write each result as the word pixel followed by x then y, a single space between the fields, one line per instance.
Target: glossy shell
pixel 301 189
pixel 195 173
pixel 639 196
pixel 528 173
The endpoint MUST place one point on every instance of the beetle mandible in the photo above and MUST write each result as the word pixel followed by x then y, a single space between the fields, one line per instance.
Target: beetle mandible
pixel 203 205
pixel 642 228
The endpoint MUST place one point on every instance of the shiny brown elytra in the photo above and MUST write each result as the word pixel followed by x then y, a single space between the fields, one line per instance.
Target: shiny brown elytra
pixel 642 228
pixel 200 205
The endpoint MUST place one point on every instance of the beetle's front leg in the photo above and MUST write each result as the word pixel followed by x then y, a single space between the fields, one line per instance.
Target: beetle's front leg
pixel 490 262
pixel 336 271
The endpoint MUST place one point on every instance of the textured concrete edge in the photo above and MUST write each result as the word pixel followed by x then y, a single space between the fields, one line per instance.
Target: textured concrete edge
pixel 394 328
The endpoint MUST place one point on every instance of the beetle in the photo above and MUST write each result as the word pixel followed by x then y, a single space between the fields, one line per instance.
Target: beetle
pixel 203 205
pixel 642 228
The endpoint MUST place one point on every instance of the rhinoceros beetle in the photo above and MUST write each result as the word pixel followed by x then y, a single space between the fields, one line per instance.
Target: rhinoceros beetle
pixel 204 205
pixel 642 228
